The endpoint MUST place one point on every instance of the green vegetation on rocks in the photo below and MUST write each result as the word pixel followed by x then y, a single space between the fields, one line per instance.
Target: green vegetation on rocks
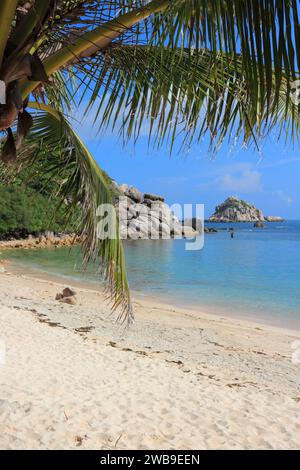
pixel 25 211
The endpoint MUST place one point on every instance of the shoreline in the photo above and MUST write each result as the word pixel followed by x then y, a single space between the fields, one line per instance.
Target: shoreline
pixel 73 377
pixel 148 299
pixel 44 240
pixel 145 301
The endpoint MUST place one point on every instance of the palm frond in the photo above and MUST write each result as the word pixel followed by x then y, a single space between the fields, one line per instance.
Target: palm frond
pixel 186 94
pixel 265 33
pixel 61 150
pixel 250 50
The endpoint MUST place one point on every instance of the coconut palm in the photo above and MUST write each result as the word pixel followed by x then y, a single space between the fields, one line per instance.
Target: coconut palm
pixel 186 68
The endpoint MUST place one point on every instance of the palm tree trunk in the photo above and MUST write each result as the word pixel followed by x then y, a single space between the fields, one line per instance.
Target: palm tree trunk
pixel 96 39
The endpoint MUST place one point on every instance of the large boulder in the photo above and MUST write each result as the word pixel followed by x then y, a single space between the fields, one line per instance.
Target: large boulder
pixel 162 210
pixel 138 229
pixel 67 296
pixel 125 201
pixel 122 188
pixel 151 218
pixel 134 194
pixel 188 232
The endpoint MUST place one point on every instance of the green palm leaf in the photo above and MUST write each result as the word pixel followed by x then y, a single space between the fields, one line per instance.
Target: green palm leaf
pixel 58 149
pixel 182 93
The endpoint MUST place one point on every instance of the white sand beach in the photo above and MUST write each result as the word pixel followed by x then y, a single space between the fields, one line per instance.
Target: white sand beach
pixel 73 378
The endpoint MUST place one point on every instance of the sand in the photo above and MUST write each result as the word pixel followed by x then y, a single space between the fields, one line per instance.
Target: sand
pixel 73 378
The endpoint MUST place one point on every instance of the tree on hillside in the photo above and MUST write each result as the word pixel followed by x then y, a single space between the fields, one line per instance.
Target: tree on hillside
pixel 186 67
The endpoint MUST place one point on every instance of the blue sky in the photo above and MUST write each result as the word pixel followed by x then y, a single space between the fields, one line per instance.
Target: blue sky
pixel 269 179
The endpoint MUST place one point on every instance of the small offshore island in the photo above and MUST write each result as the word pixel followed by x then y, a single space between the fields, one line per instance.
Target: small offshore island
pixel 238 210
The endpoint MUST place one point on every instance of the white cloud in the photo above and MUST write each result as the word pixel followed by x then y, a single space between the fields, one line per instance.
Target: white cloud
pixel 236 178
pixel 246 181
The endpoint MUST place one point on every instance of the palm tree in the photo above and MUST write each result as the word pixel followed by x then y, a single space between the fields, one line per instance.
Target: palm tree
pixel 185 67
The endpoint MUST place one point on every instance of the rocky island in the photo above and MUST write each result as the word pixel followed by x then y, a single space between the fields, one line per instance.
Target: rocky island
pixel 238 210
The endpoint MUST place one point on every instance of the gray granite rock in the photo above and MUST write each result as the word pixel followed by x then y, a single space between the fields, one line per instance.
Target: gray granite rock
pixel 236 210
pixel 134 194
pixel 147 217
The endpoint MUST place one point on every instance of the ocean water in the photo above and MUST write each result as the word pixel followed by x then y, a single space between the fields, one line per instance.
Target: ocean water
pixel 255 275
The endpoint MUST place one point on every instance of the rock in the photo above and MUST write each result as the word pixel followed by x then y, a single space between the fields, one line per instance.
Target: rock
pixel 125 201
pixel 67 292
pixel 49 235
pixel 131 213
pixel 149 219
pixel 134 194
pixel 142 226
pixel 189 232
pixel 273 218
pixel 259 225
pixel 141 209
pixel 153 197
pixel 123 188
pixel 162 210
pixel 123 205
pixel 42 240
pixel 155 215
pixel 236 210
pixel 116 186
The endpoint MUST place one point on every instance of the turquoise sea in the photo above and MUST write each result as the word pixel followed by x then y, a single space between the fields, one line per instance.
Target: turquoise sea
pixel 255 275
